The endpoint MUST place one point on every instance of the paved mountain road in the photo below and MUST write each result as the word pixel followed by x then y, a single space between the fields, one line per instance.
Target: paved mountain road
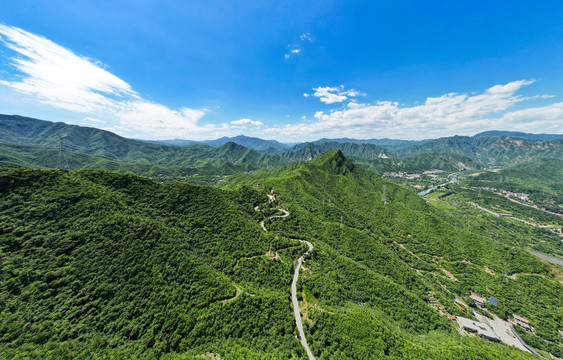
pixel 294 301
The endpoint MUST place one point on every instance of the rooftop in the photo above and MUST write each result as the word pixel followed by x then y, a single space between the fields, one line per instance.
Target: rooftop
pixel 478 298
pixel 516 317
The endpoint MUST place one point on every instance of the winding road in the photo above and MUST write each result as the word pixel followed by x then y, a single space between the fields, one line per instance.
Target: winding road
pixel 296 310
pixel 294 301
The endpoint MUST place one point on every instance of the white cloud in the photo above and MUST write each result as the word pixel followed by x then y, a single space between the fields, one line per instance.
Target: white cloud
pixel 292 52
pixel 306 37
pixel 297 47
pixel 246 122
pixel 445 115
pixel 331 95
pixel 92 120
pixel 57 77
pixel 549 117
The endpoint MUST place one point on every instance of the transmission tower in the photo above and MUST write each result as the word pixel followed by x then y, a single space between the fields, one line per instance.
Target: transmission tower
pixel 384 195
pixel 61 162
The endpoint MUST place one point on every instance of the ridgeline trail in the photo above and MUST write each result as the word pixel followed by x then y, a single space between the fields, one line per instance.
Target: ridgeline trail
pixel 294 301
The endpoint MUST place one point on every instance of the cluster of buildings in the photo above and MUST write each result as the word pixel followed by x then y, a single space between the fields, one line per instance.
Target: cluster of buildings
pixel 518 320
pixel 481 301
pixel 435 171
pixel 401 174
pixel 521 196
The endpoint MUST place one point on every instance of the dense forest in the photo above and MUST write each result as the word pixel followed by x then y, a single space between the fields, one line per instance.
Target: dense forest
pixel 99 264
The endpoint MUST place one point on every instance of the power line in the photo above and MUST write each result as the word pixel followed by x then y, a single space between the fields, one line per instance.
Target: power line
pixel 61 162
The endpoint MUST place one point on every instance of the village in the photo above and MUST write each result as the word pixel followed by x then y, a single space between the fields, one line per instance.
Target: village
pixel 405 175
pixel 491 327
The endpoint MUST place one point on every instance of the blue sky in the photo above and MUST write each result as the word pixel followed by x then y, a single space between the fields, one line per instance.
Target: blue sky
pixel 287 70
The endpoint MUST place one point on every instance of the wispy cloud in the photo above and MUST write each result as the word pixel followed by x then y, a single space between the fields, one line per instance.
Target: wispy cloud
pixel 55 76
pixel 297 47
pixel 292 52
pixel 244 123
pixel 331 95
pixel 306 37
pixel 445 115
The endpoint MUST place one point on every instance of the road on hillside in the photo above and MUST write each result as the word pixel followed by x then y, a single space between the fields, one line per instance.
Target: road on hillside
pixel 296 303
pixel 296 310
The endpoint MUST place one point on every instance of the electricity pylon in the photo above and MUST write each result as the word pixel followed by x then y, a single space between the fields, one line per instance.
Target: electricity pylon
pixel 61 162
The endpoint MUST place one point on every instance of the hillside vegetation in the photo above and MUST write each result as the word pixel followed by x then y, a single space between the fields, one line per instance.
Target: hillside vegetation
pixel 490 151
pixel 36 143
pixel 379 247
pixel 102 264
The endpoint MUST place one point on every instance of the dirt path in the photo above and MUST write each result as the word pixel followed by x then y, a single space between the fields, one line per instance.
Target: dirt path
pixel 237 294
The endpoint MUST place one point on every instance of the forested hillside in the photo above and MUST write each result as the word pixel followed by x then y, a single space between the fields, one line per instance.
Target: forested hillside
pixel 421 162
pixel 308 151
pixel 36 143
pixel 95 263
pixel 380 249
pixel 540 180
pixel 109 146
pixel 109 265
pixel 489 151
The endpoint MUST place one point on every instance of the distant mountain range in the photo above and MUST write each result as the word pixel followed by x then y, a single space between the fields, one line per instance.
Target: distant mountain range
pixel 261 145
pixel 519 135
pixel 272 146
pixel 33 142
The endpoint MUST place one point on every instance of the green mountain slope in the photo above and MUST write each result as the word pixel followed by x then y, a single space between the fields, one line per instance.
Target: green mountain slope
pixel 539 179
pixel 97 264
pixel 87 146
pixel 421 162
pixel 380 249
pixel 519 135
pixel 308 151
pixel 489 151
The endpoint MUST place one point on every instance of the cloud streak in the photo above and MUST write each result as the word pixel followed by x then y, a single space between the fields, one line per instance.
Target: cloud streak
pixel 56 76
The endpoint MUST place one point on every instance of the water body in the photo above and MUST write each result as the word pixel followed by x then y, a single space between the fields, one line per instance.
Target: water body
pixel 428 191
pixel 552 259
